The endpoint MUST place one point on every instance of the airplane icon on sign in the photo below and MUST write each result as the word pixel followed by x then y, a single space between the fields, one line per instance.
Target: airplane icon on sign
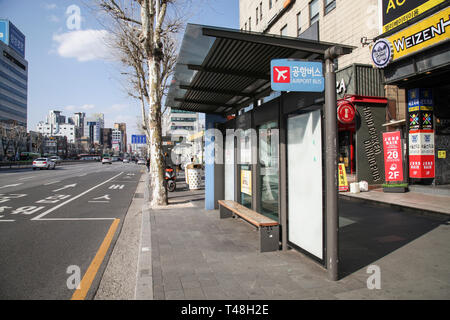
pixel 281 74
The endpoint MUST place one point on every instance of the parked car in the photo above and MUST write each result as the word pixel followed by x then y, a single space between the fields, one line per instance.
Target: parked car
pixel 43 163
pixel 126 160
pixel 56 159
pixel 106 160
pixel 141 161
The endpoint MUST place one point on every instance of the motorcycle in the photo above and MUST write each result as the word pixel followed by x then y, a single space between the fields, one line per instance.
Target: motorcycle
pixel 170 179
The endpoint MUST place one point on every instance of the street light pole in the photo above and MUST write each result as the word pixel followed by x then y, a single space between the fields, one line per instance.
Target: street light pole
pixel 331 163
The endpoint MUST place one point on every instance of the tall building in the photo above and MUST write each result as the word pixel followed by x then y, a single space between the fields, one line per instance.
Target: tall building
pixel 122 127
pixel 92 128
pixel 107 138
pixel 56 126
pixel 13 74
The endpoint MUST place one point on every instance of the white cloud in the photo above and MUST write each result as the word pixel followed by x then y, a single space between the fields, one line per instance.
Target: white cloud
pixel 84 45
pixel 119 107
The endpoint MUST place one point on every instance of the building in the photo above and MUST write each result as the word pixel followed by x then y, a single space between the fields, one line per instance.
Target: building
pixel 122 127
pixel 107 138
pixel 413 49
pixel 56 126
pixel 92 128
pixel 13 74
pixel 117 140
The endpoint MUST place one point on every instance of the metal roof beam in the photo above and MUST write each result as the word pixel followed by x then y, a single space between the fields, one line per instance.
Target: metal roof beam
pixel 238 73
pixel 227 92
pixel 203 103
pixel 272 40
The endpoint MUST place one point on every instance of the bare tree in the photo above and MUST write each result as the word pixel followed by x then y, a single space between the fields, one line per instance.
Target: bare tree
pixel 145 33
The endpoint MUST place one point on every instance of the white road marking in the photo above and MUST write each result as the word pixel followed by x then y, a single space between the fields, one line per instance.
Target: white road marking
pixel 106 197
pixel 76 197
pixel 51 182
pixel 26 178
pixel 11 185
pixel 65 187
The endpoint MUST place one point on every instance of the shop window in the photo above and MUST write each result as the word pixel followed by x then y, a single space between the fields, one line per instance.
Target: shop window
pixel 313 11
pixel 329 5
pixel 283 31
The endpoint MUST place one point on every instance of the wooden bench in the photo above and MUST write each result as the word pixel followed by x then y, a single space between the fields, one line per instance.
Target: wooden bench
pixel 268 228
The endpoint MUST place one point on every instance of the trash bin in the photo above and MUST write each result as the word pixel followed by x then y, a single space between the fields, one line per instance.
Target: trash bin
pixel 193 176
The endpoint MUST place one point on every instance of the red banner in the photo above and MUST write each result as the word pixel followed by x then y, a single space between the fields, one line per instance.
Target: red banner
pixel 421 154
pixel 393 159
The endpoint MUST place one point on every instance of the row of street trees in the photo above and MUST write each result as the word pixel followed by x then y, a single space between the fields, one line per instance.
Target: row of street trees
pixel 144 32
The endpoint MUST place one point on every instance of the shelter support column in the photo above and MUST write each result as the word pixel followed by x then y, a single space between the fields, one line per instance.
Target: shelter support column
pixel 214 162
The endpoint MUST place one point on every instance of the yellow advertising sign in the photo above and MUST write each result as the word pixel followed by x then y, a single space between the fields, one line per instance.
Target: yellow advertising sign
pixel 442 154
pixel 246 182
pixel 414 7
pixel 421 35
pixel 343 184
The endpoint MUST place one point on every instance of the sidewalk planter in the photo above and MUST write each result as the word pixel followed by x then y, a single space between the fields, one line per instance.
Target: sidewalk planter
pixel 395 188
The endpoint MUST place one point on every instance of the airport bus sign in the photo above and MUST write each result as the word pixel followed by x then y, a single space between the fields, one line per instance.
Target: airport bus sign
pixel 295 75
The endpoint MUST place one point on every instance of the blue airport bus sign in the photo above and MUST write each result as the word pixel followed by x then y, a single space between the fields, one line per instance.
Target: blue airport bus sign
pixel 138 139
pixel 295 75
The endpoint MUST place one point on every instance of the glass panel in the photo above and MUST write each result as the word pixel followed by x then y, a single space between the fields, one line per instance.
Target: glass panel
pixel 268 174
pixel 246 173
pixel 229 167
pixel 314 11
pixel 304 172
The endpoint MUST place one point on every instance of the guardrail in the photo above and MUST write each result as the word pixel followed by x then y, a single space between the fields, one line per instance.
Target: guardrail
pixel 28 164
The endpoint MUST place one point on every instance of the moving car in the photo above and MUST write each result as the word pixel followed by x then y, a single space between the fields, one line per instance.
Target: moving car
pixel 106 160
pixel 43 163
pixel 56 159
pixel 141 161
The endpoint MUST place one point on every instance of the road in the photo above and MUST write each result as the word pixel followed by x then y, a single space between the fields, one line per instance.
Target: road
pixel 58 227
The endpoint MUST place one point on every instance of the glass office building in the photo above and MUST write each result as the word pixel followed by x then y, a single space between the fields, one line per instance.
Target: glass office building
pixel 13 74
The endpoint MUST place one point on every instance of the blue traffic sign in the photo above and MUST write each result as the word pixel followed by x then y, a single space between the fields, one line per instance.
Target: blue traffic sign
pixel 138 139
pixel 295 75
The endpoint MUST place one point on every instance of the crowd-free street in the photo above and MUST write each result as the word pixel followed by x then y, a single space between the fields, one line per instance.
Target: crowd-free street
pixel 57 227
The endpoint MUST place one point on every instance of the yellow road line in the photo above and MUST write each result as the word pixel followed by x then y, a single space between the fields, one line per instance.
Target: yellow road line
pixel 89 276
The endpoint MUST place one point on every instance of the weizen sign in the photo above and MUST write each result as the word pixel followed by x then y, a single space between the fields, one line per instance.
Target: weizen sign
pixel 295 75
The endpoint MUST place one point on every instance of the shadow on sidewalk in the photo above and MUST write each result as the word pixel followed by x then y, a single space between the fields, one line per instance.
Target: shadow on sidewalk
pixel 367 233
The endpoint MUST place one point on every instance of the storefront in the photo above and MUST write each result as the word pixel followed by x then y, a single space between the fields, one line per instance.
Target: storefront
pixel 416 56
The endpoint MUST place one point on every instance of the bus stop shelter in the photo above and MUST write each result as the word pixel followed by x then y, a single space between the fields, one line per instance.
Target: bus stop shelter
pixel 226 74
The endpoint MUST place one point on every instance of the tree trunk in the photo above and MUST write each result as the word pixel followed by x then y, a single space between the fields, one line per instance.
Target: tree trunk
pixel 156 156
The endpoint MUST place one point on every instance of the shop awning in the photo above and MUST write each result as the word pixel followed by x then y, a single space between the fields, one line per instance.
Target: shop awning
pixel 220 71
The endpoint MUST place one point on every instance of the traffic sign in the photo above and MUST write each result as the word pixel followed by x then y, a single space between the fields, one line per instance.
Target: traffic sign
pixel 296 75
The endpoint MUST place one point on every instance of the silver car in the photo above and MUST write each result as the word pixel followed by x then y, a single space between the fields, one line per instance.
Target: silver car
pixel 43 163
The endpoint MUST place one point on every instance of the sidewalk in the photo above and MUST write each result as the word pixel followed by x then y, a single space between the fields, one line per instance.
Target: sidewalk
pixel 189 253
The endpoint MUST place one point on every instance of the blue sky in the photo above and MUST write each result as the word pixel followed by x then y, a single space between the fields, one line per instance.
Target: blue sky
pixel 64 75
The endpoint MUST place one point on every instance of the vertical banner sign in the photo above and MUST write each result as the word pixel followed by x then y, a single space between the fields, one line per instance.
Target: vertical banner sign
pixel 421 154
pixel 343 184
pixel 393 159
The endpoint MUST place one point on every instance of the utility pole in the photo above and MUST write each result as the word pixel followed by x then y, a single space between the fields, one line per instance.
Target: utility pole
pixel 331 163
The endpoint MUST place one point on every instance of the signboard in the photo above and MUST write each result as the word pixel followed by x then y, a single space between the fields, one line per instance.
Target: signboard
pixel 423 34
pixel 421 154
pixel 442 154
pixel 295 75
pixel 343 184
pixel 382 53
pixel 393 159
pixel 4 31
pixel 345 112
pixel 398 12
pixel 138 139
pixel 246 182
pixel 16 40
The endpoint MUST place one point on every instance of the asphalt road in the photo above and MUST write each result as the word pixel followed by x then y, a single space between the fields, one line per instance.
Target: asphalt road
pixel 58 227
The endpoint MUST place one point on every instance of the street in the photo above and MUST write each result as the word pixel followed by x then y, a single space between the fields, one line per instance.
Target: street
pixel 58 226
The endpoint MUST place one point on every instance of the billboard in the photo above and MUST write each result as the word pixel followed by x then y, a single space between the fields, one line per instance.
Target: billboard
pixel 393 158
pixel 12 36
pixel 395 12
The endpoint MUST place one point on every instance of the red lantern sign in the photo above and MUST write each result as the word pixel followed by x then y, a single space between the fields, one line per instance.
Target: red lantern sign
pixel 345 112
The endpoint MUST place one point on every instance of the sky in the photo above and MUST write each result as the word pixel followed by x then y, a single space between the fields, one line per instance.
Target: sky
pixel 69 67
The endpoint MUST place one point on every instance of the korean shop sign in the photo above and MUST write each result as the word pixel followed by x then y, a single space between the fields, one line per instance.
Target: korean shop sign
pixel 295 75
pixel 398 12
pixel 423 34
pixel 393 160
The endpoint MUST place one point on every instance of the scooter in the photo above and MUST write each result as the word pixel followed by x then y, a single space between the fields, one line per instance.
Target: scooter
pixel 170 179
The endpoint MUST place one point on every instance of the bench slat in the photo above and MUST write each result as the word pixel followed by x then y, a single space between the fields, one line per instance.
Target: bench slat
pixel 248 214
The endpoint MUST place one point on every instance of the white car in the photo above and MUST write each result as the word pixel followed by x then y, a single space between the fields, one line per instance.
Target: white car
pixel 141 161
pixel 126 160
pixel 106 160
pixel 43 163
pixel 56 159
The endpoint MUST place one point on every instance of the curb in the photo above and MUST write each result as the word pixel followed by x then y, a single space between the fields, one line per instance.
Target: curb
pixel 144 279
pixel 419 211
